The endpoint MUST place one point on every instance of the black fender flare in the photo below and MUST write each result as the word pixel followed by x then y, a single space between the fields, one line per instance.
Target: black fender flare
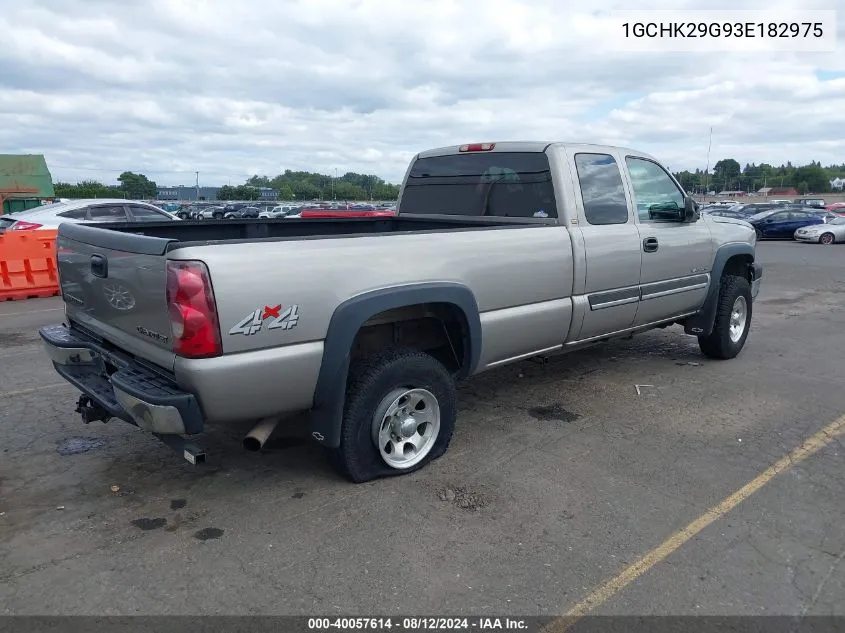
pixel 701 323
pixel 326 415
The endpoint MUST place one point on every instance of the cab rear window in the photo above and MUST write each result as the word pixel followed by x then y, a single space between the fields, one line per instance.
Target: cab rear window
pixel 500 184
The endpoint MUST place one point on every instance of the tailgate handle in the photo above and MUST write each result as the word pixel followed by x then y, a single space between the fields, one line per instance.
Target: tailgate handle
pixel 99 266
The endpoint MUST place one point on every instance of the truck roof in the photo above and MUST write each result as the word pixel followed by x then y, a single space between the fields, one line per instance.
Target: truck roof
pixel 533 146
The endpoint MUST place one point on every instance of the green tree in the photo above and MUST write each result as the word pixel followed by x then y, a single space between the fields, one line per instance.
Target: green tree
pixel 226 192
pixel 86 189
pixel 725 172
pixel 137 186
pixel 811 178
pixel 246 192
pixel 286 193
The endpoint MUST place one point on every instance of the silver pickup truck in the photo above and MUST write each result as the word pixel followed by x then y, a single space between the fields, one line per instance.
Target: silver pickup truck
pixel 498 252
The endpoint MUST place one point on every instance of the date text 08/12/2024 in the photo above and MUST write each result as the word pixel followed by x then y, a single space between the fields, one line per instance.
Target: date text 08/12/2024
pixel 417 624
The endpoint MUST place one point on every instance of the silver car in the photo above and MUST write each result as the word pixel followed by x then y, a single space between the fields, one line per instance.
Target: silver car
pixel 50 216
pixel 832 231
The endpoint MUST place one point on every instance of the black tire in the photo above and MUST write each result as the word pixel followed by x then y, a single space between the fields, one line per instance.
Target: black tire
pixel 217 216
pixel 719 344
pixel 827 238
pixel 370 380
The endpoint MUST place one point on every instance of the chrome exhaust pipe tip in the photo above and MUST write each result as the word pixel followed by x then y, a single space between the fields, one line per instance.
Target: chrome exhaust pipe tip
pixel 256 438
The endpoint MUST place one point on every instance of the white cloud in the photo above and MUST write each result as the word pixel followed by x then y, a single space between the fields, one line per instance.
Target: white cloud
pixel 169 87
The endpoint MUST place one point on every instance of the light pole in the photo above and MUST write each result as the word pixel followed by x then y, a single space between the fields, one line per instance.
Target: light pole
pixel 333 181
pixel 707 171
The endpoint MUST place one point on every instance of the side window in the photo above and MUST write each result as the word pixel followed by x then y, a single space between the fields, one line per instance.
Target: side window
pixel 76 214
pixel 780 216
pixel 144 214
pixel 601 189
pixel 652 187
pixel 107 213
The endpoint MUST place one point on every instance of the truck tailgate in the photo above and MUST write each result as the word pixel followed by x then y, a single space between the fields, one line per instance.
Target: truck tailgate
pixel 114 285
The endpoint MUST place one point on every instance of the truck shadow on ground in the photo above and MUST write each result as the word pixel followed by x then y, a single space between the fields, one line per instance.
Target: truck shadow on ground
pixel 291 458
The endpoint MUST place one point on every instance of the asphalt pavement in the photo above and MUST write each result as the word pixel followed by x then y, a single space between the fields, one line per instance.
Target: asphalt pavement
pixel 559 478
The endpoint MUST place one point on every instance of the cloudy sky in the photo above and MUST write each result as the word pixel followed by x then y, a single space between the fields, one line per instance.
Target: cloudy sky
pixel 233 88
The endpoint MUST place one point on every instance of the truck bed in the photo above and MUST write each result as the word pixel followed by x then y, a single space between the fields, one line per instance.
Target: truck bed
pixel 200 232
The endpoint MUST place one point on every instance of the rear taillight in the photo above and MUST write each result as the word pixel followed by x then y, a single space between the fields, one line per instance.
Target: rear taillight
pixel 193 312
pixel 477 147
pixel 20 225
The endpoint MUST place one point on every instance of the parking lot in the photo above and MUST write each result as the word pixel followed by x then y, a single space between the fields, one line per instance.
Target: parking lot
pixel 559 478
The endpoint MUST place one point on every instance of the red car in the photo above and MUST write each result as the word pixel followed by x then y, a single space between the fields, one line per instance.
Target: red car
pixel 837 207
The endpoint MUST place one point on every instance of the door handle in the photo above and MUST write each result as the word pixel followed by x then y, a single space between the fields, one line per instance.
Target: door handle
pixel 650 244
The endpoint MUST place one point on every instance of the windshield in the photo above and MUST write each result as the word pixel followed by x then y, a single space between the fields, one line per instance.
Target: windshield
pixel 503 184
pixel 837 220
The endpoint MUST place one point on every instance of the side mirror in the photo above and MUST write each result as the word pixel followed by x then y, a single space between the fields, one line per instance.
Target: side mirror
pixel 691 212
pixel 666 211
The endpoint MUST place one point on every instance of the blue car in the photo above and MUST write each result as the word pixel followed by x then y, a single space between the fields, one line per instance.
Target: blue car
pixel 782 224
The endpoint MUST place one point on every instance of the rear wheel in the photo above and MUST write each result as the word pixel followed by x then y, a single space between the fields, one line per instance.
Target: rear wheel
pixel 398 416
pixel 217 215
pixel 827 239
pixel 733 320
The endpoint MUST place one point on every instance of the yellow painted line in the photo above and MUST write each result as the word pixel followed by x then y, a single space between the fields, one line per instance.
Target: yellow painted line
pixel 21 392
pixel 608 589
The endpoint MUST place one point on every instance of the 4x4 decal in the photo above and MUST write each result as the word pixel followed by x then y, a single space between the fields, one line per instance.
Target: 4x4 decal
pixel 281 318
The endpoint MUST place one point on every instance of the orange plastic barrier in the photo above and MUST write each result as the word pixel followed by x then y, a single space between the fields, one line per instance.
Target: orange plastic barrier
pixel 28 265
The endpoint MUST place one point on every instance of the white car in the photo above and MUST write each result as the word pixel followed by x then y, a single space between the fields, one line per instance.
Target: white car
pixel 280 211
pixel 831 232
pixel 50 216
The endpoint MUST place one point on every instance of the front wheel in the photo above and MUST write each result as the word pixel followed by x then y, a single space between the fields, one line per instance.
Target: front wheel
pixel 398 416
pixel 827 239
pixel 733 320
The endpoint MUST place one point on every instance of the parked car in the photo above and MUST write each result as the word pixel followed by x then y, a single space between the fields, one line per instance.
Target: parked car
pixel 98 210
pixel 836 207
pixel 209 213
pixel 823 213
pixel 242 212
pixel 754 208
pixel 723 211
pixel 782 223
pixel 280 211
pixel 831 232
pixel 232 207
pixel 497 253
pixel 817 203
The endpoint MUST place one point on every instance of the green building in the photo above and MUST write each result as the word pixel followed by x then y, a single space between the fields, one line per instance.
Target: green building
pixel 24 181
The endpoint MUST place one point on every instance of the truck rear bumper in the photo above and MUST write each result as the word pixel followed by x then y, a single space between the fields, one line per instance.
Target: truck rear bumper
pixel 119 384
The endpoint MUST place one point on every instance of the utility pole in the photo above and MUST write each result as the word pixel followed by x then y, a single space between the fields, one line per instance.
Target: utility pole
pixel 198 186
pixel 333 181
pixel 707 171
